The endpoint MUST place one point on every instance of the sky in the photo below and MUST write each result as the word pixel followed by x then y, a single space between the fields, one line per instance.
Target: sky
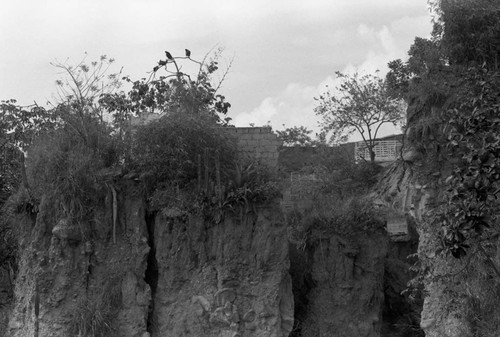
pixel 283 52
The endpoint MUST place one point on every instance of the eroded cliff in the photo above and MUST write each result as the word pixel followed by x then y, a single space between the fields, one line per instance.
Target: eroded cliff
pixel 229 279
pixel 196 278
pixel 73 278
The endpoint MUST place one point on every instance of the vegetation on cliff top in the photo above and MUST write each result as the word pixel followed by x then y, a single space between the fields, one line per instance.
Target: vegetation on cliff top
pixel 85 141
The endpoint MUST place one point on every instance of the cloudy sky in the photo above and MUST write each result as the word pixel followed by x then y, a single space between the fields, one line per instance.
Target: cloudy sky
pixel 285 51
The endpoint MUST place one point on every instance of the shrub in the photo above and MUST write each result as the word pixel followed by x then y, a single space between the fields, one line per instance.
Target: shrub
pixel 179 150
pixel 68 169
pixel 333 215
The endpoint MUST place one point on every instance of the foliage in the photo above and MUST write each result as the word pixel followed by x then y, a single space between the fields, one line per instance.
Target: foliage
pixel 174 92
pixel 340 175
pixel 456 103
pixel 19 126
pixel 94 317
pixel 8 241
pixel 67 160
pixel 360 104
pixel 83 84
pixel 296 136
pixel 347 217
pixel 353 180
pixel 76 112
pixel 468 31
pixel 77 151
pixel 251 184
pixel 62 167
pixel 470 211
pixel 425 58
pixel 90 321
pixel 10 171
pixel 398 79
pixel 457 73
pixel 172 150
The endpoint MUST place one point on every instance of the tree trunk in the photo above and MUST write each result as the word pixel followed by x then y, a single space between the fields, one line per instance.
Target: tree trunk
pixel 372 156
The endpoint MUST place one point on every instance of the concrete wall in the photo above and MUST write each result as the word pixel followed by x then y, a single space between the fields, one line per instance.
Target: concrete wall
pixel 258 143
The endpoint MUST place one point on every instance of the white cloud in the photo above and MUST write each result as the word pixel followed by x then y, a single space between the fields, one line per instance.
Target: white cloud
pixel 285 50
pixel 294 105
pixel 259 116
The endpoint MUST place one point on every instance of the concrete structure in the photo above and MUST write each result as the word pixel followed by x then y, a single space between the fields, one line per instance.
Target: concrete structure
pixel 258 143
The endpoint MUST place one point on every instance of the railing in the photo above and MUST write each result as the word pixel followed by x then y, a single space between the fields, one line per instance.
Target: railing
pixel 385 150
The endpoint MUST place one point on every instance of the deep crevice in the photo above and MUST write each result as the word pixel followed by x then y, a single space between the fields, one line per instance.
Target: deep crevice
pixel 302 283
pixel 151 276
pixel 400 315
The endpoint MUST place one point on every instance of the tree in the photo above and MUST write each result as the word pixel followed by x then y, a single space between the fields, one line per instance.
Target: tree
pixel 19 126
pixel 296 136
pixel 468 31
pixel 360 104
pixel 170 90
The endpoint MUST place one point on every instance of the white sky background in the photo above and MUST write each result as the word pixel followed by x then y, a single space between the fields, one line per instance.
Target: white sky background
pixel 285 51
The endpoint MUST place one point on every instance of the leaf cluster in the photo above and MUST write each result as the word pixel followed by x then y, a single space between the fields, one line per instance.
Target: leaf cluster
pixel 296 136
pixel 172 91
pixel 425 58
pixel 69 171
pixel 173 150
pixel 348 217
pixel 252 184
pixel 468 31
pixel 19 125
pixel 85 82
pixel 471 209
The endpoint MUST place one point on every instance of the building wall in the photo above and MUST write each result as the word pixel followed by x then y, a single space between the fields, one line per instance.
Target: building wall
pixel 259 143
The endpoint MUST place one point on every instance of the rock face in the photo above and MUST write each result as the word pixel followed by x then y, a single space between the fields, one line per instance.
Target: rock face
pixel 6 290
pixel 227 280
pixel 70 282
pixel 442 315
pixel 345 276
pixel 177 274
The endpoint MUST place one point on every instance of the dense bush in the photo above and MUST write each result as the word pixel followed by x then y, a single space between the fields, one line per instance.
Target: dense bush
pixel 338 172
pixel 63 166
pixel 333 215
pixel 175 148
